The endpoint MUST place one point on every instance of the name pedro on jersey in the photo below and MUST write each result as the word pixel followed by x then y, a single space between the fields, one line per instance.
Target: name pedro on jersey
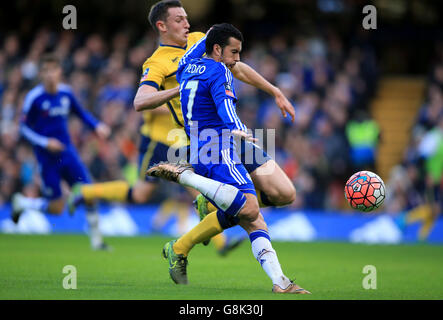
pixel 193 68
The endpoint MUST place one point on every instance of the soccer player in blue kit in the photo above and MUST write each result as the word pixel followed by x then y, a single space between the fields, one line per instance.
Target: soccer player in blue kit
pixel 44 124
pixel 208 105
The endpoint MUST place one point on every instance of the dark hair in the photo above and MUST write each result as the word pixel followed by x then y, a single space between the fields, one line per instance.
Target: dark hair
pixel 220 34
pixel 50 58
pixel 159 11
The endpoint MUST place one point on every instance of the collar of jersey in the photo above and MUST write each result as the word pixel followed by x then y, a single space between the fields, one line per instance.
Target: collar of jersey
pixel 49 93
pixel 168 45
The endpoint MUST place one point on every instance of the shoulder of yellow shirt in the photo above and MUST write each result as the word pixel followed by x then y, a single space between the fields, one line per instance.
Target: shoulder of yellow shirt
pixel 164 52
pixel 158 126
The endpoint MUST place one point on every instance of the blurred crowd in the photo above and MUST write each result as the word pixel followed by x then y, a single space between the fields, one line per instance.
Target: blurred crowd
pixel 418 180
pixel 329 82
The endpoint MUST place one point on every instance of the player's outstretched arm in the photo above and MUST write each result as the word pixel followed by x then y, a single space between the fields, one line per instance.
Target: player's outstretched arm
pixel 100 128
pixel 148 97
pixel 245 73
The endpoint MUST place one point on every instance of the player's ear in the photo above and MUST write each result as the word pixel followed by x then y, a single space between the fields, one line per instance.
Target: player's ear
pixel 217 50
pixel 161 26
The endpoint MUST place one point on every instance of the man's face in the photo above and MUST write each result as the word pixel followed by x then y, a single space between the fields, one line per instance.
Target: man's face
pixel 177 25
pixel 230 54
pixel 51 73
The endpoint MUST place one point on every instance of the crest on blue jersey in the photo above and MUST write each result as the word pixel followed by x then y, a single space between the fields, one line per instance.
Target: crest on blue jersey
pixel 45 105
pixel 228 90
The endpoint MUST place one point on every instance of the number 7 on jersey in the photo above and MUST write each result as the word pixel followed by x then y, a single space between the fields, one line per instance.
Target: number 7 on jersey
pixel 191 85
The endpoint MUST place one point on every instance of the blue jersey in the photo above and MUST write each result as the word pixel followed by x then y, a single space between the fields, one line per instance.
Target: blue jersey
pixel 207 98
pixel 45 115
pixel 208 103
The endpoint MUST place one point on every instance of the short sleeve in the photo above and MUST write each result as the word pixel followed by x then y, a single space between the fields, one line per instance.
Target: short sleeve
pixel 153 74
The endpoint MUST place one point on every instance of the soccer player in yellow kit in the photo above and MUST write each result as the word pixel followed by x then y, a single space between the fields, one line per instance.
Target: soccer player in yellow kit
pixel 159 93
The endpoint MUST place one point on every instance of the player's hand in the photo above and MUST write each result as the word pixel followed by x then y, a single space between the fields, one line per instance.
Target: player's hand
pixel 55 146
pixel 102 130
pixel 284 105
pixel 244 135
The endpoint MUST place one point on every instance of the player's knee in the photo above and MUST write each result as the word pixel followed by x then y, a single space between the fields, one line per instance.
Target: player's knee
pixel 281 195
pixel 250 210
pixel 287 195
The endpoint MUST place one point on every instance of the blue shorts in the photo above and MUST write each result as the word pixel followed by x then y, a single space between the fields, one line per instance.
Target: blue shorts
pixel 152 152
pixel 53 168
pixel 227 171
pixel 252 156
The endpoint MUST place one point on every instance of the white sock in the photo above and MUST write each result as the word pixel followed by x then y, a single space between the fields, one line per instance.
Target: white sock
pixel 267 257
pixel 94 232
pixel 222 194
pixel 39 204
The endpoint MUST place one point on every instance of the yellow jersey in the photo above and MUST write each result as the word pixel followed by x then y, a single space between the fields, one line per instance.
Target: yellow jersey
pixel 159 71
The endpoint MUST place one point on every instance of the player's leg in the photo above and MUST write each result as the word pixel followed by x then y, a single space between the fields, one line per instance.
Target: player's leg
pixel 252 221
pixel 433 197
pixel 226 196
pixel 20 203
pixel 273 187
pixel 51 202
pixel 121 191
pixel 75 173
pixel 243 209
pixel 254 224
pixel 118 191
pixel 425 213
pixel 222 194
pixel 153 152
pixel 112 191
pixel 220 241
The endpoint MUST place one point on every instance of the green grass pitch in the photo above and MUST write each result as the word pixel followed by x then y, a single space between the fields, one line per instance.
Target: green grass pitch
pixel 31 268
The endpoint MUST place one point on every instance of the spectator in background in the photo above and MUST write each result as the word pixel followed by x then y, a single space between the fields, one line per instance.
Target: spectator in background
pixel 432 110
pixel 363 135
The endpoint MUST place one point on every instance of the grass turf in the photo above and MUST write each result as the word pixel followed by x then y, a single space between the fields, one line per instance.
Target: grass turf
pixel 31 268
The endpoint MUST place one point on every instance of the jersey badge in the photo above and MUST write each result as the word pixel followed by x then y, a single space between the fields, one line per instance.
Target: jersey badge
pixel 228 90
